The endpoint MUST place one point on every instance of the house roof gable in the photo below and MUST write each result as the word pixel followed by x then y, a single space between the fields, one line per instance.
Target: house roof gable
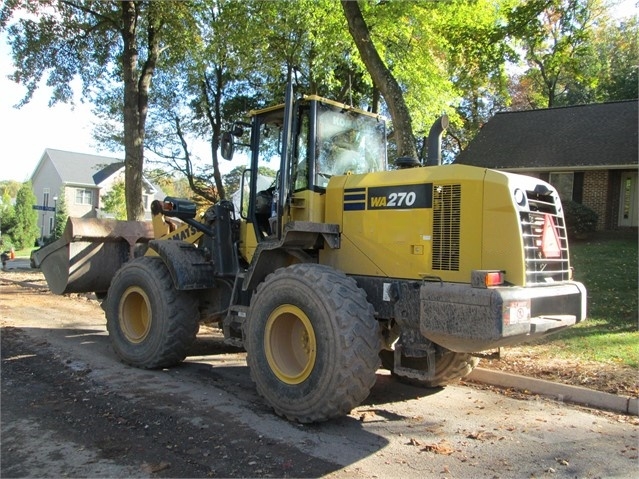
pixel 584 136
pixel 83 169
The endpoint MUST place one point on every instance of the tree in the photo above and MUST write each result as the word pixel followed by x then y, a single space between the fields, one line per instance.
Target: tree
pixel 61 214
pixel 230 73
pixel 170 185
pixel 616 47
pixel 7 220
pixel 383 80
pixel 10 187
pixel 113 201
pixel 202 78
pixel 556 36
pixel 25 230
pixel 233 179
pixel 474 39
pixel 102 43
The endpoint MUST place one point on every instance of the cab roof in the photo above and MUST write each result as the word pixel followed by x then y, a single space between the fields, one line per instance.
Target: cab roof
pixel 320 100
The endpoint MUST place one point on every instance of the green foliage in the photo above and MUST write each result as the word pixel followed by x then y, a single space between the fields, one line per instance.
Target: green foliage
pixel 233 179
pixel 114 202
pixel 574 54
pixel 10 187
pixel 61 214
pixel 555 35
pixel 7 220
pixel 25 230
pixel 616 56
pixel 477 50
pixel 581 221
pixel 170 185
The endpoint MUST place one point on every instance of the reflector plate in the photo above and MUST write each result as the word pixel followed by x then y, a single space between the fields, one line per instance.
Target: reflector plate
pixel 550 244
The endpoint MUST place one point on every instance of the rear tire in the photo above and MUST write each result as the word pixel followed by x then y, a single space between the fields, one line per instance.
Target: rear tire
pixel 449 366
pixel 150 323
pixel 312 342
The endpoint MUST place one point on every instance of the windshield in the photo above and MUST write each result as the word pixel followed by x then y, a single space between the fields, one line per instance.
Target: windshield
pixel 348 142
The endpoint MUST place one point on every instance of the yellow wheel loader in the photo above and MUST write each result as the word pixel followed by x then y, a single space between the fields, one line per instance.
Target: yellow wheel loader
pixel 337 264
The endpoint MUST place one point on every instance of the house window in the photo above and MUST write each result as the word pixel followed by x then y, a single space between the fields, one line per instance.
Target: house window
pixel 83 197
pixel 45 197
pixel 563 183
pixel 51 225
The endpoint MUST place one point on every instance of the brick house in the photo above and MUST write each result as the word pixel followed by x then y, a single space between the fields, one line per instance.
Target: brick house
pixel 587 152
pixel 83 180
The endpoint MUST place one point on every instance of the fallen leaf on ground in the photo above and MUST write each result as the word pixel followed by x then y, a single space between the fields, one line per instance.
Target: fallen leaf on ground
pixel 442 447
pixel 153 468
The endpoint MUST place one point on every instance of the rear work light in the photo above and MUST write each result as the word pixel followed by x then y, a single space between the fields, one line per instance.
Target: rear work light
pixel 480 278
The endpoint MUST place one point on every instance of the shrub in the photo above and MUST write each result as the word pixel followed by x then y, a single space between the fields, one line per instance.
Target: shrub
pixel 581 221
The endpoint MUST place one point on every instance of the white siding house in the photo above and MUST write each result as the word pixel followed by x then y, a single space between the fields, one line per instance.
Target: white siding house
pixel 83 180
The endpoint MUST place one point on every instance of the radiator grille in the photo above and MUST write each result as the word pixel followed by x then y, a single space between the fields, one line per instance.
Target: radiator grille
pixel 539 269
pixel 446 227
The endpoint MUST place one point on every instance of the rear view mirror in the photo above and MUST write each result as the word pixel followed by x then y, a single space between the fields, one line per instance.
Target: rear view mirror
pixel 227 146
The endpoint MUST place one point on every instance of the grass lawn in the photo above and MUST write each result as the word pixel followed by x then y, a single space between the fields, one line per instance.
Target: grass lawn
pixel 24 253
pixel 608 267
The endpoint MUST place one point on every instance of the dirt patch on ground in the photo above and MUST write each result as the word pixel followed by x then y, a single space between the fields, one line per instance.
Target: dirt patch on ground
pixel 524 360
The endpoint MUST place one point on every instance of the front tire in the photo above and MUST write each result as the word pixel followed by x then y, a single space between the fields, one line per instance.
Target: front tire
pixel 150 323
pixel 312 342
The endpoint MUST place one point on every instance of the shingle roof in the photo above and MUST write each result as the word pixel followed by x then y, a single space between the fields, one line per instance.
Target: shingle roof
pixel 603 134
pixel 83 169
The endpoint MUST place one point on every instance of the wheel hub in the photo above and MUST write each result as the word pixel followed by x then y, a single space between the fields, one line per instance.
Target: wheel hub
pixel 289 344
pixel 135 314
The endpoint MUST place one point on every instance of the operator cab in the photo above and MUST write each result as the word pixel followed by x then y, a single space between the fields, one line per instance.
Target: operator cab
pixel 327 139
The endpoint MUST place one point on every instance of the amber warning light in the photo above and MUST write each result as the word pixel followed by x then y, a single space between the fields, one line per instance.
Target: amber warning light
pixel 486 278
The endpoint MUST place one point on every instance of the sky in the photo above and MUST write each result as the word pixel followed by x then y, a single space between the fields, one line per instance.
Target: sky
pixel 26 132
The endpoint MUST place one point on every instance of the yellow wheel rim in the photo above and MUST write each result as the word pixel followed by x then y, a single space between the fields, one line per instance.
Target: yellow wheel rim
pixel 289 344
pixel 135 314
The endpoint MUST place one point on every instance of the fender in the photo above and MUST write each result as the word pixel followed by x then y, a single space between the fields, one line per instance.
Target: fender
pixel 296 237
pixel 188 265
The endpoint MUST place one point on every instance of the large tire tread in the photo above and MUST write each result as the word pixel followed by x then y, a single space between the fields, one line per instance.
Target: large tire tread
pixel 178 307
pixel 358 349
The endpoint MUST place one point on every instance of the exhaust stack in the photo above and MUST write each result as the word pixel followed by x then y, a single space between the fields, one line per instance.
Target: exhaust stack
pixel 434 157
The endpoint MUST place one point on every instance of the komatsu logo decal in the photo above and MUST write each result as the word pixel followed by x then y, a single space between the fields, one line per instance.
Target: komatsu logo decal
pixel 182 235
pixel 389 197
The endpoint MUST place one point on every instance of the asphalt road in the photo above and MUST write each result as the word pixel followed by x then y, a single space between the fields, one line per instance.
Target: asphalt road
pixel 70 408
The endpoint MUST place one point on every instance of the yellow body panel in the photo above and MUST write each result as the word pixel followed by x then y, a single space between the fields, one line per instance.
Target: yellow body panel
pixel 162 230
pixel 248 242
pixel 502 243
pixel 307 206
pixel 397 242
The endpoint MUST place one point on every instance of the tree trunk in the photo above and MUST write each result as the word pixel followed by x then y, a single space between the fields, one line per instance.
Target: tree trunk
pixel 383 79
pixel 133 144
pixel 214 115
pixel 136 102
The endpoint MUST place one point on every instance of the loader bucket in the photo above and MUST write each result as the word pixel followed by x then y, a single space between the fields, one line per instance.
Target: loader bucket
pixel 89 252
